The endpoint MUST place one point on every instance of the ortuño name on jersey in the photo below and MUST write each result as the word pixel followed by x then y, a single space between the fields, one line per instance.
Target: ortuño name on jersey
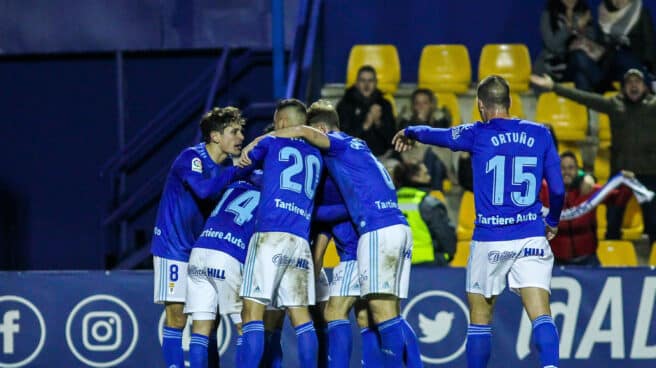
pixel 211 233
pixel 514 137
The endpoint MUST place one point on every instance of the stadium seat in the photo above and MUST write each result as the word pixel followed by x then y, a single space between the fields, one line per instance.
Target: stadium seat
pixel 602 165
pixel 601 222
pixel 384 58
pixel 439 195
pixel 330 258
pixel 617 253
pixel 466 217
pixel 652 256
pixel 568 118
pixel 511 61
pixel 450 101
pixel 462 254
pixel 445 68
pixel 604 125
pixel 516 108
pixel 632 223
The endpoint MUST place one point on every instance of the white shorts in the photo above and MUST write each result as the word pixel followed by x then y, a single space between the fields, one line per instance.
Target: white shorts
pixel 526 262
pixel 170 283
pixel 384 260
pixel 213 279
pixel 346 279
pixel 322 287
pixel 279 270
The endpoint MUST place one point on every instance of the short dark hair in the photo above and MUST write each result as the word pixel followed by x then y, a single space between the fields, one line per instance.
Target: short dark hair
pixel 322 111
pixel 423 91
pixel 296 106
pixel 571 155
pixel 367 68
pixel 494 91
pixel 218 119
pixel 404 173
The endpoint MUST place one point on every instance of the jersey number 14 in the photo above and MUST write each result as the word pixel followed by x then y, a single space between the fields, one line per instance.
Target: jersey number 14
pixel 497 166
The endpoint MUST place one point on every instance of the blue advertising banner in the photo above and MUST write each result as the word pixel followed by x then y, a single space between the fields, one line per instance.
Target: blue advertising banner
pixel 605 318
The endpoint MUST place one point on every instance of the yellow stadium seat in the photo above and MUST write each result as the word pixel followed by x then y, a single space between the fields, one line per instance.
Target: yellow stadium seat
pixel 652 256
pixel 450 101
pixel 604 125
pixel 447 185
pixel 330 258
pixel 511 61
pixel 390 98
pixel 439 195
pixel 445 68
pixel 384 58
pixel 632 223
pixel 462 254
pixel 617 253
pixel 602 165
pixel 516 109
pixel 601 222
pixel 466 217
pixel 568 118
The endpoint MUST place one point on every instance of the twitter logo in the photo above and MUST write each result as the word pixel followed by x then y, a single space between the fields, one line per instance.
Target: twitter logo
pixel 436 329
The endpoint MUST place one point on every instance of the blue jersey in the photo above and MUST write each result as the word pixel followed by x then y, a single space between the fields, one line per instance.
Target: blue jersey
pixel 292 169
pixel 192 187
pixel 510 158
pixel 230 225
pixel 344 233
pixel 364 183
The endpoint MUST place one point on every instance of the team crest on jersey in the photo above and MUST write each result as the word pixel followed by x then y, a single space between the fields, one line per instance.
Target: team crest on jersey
pixel 197 165
pixel 357 144
pixel 171 287
pixel 457 130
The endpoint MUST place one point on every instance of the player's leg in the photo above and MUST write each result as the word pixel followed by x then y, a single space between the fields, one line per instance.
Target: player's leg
pixel 170 284
pixel 479 332
pixel 384 265
pixel 317 311
pixel 201 329
pixel 261 277
pixel 531 276
pixel 273 323
pixel 412 356
pixel 372 356
pixel 340 339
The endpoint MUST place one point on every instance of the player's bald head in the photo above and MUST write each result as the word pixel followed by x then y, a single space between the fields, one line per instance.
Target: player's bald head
pixel 494 92
pixel 290 112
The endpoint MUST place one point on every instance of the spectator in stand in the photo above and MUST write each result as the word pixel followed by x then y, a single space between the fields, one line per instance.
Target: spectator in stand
pixel 576 242
pixel 433 234
pixel 628 30
pixel 572 44
pixel 426 112
pixel 632 116
pixel 364 113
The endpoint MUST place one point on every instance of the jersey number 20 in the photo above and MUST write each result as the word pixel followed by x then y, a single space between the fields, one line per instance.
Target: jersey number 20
pixel 497 165
pixel 312 171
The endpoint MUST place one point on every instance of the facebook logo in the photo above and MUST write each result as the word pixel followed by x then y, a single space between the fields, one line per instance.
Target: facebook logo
pixel 22 331
pixel 8 328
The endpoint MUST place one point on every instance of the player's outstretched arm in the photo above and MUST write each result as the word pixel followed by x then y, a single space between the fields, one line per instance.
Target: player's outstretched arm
pixel 204 188
pixel 459 138
pixel 401 142
pixel 313 136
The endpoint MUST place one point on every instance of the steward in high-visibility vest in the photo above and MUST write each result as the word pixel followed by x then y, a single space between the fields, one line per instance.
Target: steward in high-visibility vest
pixel 434 237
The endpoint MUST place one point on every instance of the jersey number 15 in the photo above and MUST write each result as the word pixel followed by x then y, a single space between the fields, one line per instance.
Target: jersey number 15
pixel 497 165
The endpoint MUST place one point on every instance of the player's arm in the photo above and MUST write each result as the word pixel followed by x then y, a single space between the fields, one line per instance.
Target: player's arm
pixel 313 136
pixel 209 188
pixel 319 250
pixel 458 138
pixel 331 213
pixel 253 154
pixel 554 177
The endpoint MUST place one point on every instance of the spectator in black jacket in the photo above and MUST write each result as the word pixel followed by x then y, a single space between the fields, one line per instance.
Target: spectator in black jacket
pixel 364 113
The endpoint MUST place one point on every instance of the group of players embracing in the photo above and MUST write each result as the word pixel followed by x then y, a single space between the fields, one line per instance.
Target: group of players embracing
pixel 242 232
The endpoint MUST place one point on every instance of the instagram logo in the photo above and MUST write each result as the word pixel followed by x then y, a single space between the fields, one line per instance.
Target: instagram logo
pixel 102 331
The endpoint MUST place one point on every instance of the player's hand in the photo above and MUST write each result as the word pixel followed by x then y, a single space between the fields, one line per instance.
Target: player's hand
pixel 543 81
pixel 401 142
pixel 628 174
pixel 550 231
pixel 244 160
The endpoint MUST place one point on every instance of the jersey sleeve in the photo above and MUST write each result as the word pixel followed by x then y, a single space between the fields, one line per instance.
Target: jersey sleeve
pixel 554 177
pixel 258 153
pixel 458 138
pixel 189 168
pixel 331 213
